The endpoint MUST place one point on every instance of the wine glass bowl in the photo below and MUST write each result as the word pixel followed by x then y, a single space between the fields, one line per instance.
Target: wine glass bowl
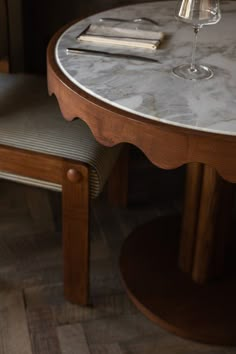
pixel 197 13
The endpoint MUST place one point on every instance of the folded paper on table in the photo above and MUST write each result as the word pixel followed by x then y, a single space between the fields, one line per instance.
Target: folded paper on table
pixel 130 34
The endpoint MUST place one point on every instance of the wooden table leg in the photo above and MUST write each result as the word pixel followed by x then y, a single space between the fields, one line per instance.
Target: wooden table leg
pixel 205 225
pixel 189 222
pixel 189 303
pixel 212 234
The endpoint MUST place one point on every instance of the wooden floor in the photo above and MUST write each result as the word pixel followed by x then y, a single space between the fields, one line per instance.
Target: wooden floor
pixel 35 318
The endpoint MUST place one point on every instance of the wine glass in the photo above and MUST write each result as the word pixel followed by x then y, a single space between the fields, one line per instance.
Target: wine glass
pixel 198 13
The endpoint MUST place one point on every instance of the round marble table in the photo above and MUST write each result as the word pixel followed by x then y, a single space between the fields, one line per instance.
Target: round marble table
pixel 187 283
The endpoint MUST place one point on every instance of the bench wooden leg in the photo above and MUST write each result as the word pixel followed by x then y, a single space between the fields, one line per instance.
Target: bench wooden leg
pixel 117 186
pixel 39 205
pixel 75 210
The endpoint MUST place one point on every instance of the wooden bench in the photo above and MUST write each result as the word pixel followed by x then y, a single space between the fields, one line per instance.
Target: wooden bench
pixel 38 147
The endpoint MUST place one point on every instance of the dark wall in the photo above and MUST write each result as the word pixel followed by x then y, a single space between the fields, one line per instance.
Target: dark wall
pixel 40 22
pixel 3 30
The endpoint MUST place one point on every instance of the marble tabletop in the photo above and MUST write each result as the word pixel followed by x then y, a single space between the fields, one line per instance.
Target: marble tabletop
pixel 150 89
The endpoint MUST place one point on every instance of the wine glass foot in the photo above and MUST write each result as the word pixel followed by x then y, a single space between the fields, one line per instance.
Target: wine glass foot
pixel 200 72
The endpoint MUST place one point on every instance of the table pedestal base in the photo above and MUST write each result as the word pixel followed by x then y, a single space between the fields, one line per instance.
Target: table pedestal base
pixel 168 296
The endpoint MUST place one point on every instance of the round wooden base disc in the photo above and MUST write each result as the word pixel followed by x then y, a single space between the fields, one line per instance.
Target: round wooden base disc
pixel 169 297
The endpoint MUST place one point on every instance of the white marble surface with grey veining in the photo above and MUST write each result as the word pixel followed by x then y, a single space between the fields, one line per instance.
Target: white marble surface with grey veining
pixel 151 90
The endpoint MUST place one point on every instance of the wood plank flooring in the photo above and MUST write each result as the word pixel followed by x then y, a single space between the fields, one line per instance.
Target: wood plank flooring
pixel 35 318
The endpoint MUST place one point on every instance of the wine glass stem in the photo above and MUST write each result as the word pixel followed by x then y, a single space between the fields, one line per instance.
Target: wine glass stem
pixel 193 65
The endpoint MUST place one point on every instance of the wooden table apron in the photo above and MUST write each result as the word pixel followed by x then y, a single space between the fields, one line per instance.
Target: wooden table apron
pixel 177 287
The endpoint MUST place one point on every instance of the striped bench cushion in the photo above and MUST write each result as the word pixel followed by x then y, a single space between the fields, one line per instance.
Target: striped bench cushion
pixel 31 120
